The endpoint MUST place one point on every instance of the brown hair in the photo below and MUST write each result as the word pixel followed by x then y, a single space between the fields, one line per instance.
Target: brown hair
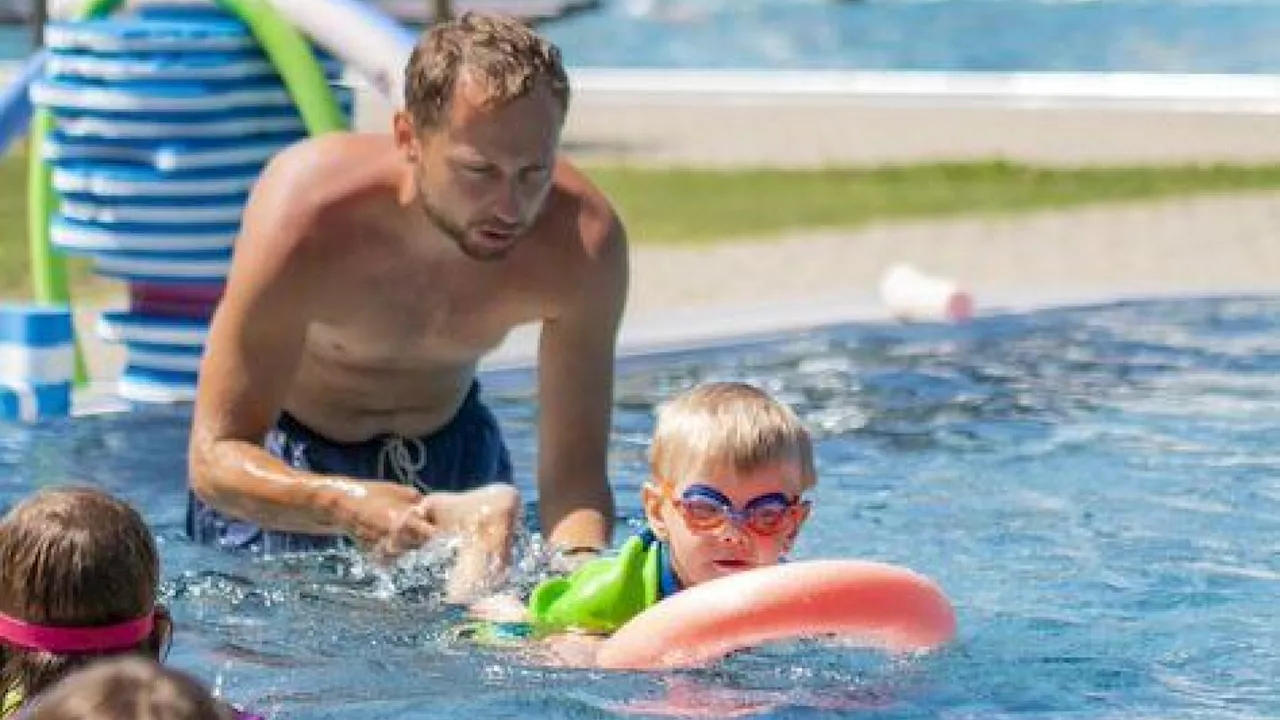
pixel 128 689
pixel 72 557
pixel 502 55
pixel 728 425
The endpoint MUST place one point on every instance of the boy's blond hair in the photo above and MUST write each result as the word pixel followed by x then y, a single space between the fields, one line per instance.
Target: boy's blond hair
pixel 728 425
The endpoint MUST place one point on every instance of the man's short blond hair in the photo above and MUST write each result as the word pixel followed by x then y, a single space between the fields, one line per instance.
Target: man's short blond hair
pixel 502 55
pixel 728 425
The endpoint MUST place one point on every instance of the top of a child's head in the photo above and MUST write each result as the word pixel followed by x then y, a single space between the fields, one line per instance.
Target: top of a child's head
pixel 77 557
pixel 128 689
pixel 78 578
pixel 728 426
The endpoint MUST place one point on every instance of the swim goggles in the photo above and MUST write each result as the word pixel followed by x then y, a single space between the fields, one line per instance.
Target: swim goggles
pixel 706 509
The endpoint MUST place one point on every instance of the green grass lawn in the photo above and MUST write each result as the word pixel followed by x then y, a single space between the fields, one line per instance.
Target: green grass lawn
pixel 696 206
pixel 687 207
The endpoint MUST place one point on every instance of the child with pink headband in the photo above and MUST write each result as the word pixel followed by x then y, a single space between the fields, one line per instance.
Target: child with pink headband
pixel 79 573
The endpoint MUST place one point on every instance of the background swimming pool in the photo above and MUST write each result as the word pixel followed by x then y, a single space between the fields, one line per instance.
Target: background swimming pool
pixel 1132 35
pixel 1097 489
pixel 1006 35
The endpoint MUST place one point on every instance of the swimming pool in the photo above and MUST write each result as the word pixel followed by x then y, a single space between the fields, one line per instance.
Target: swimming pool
pixel 1179 36
pixel 1097 489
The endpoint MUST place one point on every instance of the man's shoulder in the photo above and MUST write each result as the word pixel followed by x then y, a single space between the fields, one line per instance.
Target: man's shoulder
pixel 330 166
pixel 310 184
pixel 584 215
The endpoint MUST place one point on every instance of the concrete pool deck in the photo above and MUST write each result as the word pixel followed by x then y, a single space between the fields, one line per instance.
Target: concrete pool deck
pixel 849 118
pixel 1183 247
pixel 1207 245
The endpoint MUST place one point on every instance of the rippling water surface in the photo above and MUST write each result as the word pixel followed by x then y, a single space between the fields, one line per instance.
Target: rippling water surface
pixel 1097 489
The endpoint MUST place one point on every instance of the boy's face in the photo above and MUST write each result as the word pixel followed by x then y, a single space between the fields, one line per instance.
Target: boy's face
pixel 707 543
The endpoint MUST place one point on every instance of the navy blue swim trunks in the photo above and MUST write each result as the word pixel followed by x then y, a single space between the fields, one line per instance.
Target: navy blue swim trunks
pixel 466 453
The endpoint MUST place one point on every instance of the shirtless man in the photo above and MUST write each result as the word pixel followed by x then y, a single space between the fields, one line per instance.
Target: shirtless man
pixel 338 392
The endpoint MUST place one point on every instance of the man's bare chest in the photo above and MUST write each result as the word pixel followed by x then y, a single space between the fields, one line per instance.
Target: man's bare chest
pixel 421 311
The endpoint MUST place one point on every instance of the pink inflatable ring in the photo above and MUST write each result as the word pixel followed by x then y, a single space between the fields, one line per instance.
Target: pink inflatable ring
pixel 865 603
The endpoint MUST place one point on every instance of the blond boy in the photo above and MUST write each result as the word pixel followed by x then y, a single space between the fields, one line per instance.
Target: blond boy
pixel 729 466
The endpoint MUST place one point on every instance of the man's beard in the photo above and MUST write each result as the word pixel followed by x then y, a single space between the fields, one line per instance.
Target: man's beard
pixel 459 235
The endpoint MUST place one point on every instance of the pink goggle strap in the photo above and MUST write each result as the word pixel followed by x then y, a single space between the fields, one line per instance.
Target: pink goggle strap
pixel 57 639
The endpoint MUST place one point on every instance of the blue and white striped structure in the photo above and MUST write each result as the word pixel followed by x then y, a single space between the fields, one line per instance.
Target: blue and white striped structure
pixel 37 362
pixel 134 329
pixel 163 121
pixel 164 355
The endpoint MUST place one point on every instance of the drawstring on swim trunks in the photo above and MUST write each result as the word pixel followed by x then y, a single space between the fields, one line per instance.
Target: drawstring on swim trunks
pixel 395 451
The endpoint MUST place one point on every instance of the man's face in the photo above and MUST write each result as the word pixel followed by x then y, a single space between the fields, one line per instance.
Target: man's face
pixel 484 174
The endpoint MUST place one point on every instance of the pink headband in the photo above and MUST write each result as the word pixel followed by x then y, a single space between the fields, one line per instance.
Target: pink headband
pixel 58 639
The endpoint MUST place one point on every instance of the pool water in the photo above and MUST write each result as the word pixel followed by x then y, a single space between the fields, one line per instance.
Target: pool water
pixel 1179 36
pixel 1097 489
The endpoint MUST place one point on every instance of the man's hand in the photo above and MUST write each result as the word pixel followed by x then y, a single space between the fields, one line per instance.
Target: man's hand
pixel 389 518
pixel 395 519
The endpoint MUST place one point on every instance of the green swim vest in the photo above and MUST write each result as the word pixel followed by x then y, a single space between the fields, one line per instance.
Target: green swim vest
pixel 602 595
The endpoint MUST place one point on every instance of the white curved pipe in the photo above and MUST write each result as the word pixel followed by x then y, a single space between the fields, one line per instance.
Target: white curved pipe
pixel 372 43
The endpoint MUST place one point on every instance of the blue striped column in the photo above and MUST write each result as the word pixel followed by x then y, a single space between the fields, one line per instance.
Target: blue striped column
pixel 163 121
pixel 37 362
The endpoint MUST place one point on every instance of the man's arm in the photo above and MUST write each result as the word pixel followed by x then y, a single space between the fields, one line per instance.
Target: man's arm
pixel 255 345
pixel 575 386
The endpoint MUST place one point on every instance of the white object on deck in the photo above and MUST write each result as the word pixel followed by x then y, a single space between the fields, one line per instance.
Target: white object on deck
pixel 913 296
